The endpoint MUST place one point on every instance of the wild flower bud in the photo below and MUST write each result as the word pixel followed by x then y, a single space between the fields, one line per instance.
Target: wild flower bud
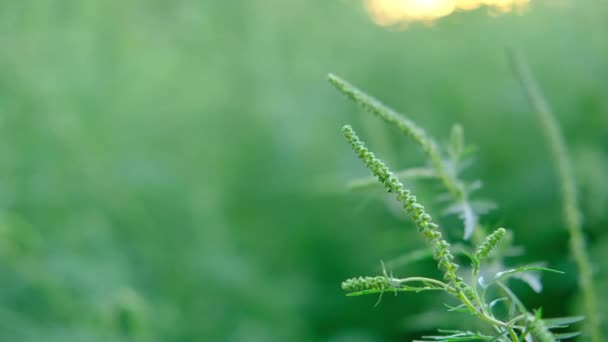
pixel 489 244
pixel 365 283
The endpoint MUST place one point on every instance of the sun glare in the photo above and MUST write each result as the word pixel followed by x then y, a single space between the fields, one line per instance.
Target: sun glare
pixel 402 12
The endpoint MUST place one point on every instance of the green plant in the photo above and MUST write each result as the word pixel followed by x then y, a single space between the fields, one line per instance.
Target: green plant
pixel 478 294
pixel 445 169
pixel 570 210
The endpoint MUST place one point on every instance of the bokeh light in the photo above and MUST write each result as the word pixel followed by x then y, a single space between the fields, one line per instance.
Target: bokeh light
pixel 402 12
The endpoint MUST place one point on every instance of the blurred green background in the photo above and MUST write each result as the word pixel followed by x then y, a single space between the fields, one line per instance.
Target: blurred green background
pixel 174 170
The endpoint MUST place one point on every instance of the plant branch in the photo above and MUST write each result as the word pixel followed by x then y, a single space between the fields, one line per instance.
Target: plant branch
pixel 571 212
pixel 443 171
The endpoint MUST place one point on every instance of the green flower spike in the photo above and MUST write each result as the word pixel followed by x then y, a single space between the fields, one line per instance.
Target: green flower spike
pixel 366 283
pixel 415 211
pixel 491 241
pixel 442 169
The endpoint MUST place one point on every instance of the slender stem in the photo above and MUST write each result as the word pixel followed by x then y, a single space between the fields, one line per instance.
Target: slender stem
pixel 512 325
pixel 427 280
pixel 512 321
pixel 474 283
pixel 513 335
pixel 571 213
pixel 426 227
pixel 480 313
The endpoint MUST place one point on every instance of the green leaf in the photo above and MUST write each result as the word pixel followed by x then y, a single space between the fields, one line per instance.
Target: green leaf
pixel 507 273
pixel 456 336
pixel 562 322
pixel 403 288
pixel 565 336
pixel 459 308
pixel 496 301
pixel 515 301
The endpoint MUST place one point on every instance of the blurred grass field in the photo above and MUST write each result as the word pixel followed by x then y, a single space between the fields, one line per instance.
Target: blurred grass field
pixel 174 170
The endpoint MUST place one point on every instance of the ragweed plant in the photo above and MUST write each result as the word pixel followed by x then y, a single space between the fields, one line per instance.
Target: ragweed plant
pixel 571 213
pixel 477 293
pixel 445 168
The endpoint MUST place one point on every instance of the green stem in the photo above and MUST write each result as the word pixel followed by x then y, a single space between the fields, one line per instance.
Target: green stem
pixel 427 280
pixel 425 225
pixel 444 172
pixel 571 213
pixel 513 335
pixel 481 314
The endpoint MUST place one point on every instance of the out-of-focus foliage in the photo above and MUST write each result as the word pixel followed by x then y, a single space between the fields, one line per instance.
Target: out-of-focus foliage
pixel 174 170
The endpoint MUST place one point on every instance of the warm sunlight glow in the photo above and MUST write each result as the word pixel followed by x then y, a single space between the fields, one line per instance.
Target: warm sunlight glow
pixel 402 12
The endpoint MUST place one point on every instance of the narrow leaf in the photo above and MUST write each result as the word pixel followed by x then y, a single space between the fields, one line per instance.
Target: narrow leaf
pixel 504 274
pixel 564 336
pixel 562 322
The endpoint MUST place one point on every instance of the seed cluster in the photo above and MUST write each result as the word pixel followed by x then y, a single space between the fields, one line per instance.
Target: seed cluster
pixel 490 244
pixel 415 211
pixel 366 283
